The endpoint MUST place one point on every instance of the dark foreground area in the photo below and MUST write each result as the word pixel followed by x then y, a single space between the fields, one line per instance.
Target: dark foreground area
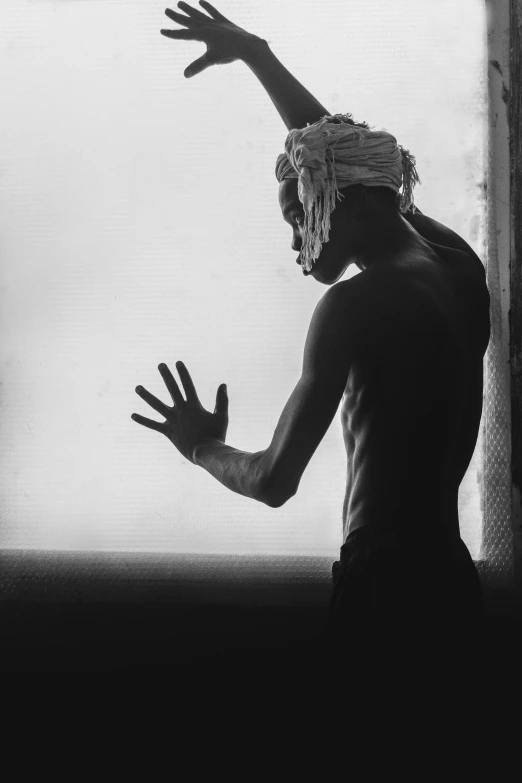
pixel 235 620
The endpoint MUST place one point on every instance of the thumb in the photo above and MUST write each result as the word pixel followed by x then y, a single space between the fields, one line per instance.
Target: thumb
pixel 197 66
pixel 221 399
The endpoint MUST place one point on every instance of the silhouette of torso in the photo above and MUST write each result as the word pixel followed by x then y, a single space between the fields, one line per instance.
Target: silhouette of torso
pixel 413 399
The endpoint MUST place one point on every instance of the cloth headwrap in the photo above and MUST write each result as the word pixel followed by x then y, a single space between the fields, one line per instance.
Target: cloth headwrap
pixel 333 153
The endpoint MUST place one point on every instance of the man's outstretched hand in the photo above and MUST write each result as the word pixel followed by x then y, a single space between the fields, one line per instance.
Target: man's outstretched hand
pixel 187 424
pixel 226 42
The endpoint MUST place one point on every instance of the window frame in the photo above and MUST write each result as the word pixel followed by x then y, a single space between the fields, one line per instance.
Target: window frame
pixel 515 312
pixel 502 586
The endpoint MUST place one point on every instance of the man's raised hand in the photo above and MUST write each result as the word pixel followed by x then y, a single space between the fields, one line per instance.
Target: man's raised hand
pixel 226 42
pixel 188 425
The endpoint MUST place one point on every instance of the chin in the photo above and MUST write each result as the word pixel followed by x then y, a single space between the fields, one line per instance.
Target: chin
pixel 322 279
pixel 328 271
pixel 326 278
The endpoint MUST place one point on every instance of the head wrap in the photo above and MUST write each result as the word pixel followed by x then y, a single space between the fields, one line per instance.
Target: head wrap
pixel 333 153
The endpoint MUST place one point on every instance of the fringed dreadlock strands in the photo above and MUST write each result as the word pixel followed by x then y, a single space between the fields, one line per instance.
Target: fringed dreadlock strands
pixel 317 222
pixel 410 178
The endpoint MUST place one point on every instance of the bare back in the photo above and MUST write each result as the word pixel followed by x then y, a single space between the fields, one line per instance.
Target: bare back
pixel 413 399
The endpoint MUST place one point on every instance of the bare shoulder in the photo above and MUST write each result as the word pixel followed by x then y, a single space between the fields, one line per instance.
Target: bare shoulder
pixel 336 320
pixel 347 303
pixel 442 236
pixel 345 299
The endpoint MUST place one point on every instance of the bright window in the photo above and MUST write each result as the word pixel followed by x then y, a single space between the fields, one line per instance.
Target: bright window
pixel 140 223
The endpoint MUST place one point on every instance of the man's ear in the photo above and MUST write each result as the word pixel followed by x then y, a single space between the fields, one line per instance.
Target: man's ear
pixel 355 198
pixel 361 199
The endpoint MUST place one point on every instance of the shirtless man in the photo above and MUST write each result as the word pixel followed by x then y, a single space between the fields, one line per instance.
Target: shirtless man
pixel 400 346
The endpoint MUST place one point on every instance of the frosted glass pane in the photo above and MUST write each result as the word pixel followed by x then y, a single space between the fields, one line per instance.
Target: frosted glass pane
pixel 140 223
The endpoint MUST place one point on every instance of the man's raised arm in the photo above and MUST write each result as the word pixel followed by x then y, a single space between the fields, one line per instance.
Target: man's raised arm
pixel 294 103
pixel 226 43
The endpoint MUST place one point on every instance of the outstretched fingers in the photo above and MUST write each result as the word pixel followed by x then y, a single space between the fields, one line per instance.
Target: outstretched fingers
pixel 152 425
pixel 153 401
pixel 187 382
pixel 171 385
pixel 187 21
pixel 183 35
pixel 192 12
pixel 213 12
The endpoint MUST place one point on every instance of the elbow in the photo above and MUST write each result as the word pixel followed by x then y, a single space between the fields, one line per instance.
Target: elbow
pixel 274 502
pixel 276 496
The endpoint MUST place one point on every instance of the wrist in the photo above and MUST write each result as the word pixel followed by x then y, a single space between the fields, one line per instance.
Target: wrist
pixel 201 449
pixel 256 49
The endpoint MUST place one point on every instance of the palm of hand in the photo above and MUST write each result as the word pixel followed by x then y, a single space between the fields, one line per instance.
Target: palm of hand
pixel 188 425
pixel 226 41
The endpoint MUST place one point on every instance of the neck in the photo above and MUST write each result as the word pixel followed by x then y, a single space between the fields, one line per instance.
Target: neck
pixel 386 235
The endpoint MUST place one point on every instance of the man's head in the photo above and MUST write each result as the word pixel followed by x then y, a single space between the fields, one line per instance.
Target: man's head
pixel 364 226
pixel 339 185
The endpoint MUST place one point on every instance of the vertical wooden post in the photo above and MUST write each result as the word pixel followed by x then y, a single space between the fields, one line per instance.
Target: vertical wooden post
pixel 515 273
pixel 496 565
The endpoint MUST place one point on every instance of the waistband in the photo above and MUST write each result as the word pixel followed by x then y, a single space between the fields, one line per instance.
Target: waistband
pixel 404 535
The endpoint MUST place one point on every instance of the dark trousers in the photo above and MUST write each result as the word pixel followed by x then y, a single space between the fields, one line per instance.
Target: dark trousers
pixel 404 594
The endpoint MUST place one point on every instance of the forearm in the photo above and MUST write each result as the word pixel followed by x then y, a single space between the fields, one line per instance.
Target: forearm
pixel 239 471
pixel 294 103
